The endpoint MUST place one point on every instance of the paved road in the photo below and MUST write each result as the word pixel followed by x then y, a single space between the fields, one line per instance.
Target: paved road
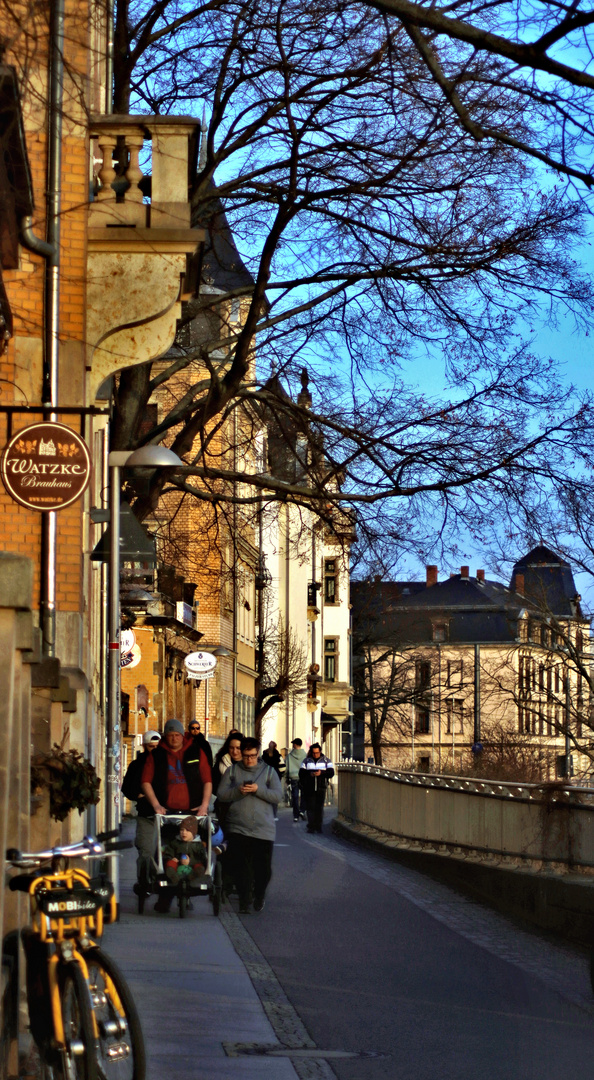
pixel 354 954
pixel 375 957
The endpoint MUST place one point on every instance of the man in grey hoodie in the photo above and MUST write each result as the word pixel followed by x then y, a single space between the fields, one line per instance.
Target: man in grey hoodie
pixel 253 791
pixel 294 761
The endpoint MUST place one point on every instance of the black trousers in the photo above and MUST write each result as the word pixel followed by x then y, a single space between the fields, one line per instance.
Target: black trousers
pixel 314 805
pixel 251 866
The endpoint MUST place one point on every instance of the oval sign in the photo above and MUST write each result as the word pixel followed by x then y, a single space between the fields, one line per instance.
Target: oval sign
pixel 198 664
pixel 46 466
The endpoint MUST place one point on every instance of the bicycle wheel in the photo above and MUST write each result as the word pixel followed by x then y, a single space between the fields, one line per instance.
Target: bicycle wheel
pixel 120 1049
pixel 77 1058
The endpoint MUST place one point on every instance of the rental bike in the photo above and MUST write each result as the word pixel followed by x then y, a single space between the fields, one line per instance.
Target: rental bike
pixel 82 1015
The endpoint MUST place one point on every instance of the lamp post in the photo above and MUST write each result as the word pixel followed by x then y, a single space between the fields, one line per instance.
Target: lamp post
pixel 221 651
pixel 148 457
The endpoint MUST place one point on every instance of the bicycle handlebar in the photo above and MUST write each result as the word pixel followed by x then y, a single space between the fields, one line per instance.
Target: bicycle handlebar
pixel 88 848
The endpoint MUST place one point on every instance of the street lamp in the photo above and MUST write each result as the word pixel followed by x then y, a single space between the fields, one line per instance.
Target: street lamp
pixel 147 457
pixel 221 651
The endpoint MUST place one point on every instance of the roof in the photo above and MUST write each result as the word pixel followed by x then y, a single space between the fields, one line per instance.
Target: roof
pixel 548 582
pixel 469 609
pixel 220 264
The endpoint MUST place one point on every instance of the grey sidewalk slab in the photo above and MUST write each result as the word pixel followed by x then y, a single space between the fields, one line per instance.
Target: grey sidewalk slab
pixel 192 991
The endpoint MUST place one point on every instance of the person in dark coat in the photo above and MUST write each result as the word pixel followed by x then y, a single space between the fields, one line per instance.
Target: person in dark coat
pixel 145 828
pixel 272 757
pixel 314 774
pixel 195 732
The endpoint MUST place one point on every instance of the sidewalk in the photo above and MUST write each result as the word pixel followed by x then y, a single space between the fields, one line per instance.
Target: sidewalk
pixel 192 991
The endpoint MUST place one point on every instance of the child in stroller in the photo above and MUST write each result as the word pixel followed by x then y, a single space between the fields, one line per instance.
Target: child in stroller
pixel 185 857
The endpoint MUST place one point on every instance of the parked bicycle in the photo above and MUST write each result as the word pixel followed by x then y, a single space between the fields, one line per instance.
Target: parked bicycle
pixel 82 1015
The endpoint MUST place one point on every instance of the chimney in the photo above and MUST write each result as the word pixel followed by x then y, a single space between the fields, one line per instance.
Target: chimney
pixel 431 576
pixel 464 571
pixel 519 584
pixel 480 575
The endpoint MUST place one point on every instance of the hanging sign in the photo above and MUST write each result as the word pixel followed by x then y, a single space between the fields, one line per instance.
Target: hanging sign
pixel 127 641
pixel 200 665
pixel 46 466
pixel 131 659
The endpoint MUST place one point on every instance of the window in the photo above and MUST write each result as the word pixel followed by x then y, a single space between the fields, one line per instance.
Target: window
pixel 439 632
pixel 423 724
pixel 330 659
pixel 550 720
pixel 330 581
pixel 424 764
pixel 541 677
pixel 423 674
pixel 455 674
pixel 246 604
pixel 557 679
pixel 245 713
pixel 455 716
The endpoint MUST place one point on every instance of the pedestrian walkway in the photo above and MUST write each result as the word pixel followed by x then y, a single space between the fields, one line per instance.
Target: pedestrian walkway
pixel 196 999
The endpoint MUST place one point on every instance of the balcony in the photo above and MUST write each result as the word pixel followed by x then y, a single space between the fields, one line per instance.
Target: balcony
pixel 139 237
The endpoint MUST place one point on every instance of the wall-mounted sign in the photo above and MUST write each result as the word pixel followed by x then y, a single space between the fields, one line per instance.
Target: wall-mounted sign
pixel 131 659
pixel 200 665
pixel 127 641
pixel 46 466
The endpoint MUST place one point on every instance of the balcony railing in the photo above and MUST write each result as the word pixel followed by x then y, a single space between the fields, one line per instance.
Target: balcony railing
pixel 168 148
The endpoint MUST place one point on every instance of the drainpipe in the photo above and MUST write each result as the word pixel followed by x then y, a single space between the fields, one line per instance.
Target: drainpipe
pixel 477 695
pixel 50 251
pixel 287 612
pixel 109 57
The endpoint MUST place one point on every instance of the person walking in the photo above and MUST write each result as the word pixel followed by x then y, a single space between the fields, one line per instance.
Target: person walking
pixel 177 777
pixel 253 791
pixel 229 752
pixel 272 757
pixel 295 759
pixel 195 731
pixel 315 772
pixel 144 840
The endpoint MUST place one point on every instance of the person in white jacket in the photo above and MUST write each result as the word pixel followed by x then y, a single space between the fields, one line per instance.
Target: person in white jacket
pixel 314 774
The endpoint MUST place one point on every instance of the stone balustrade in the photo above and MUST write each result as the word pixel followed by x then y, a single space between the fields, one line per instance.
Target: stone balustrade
pixel 544 826
pixel 173 148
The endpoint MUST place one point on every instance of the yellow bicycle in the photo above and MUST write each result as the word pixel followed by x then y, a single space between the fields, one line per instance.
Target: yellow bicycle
pixel 81 1013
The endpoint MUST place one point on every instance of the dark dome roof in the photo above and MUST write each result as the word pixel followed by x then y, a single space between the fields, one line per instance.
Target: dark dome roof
pixel 540 556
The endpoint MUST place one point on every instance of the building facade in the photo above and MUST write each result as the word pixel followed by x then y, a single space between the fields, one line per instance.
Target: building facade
pixel 466 671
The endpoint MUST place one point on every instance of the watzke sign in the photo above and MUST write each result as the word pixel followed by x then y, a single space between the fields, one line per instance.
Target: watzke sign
pixel 46 466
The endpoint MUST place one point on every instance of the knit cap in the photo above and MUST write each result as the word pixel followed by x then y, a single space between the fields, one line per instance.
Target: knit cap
pixel 190 823
pixel 174 725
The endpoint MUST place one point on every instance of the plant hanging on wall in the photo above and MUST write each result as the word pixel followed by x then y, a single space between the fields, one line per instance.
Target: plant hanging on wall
pixel 69 777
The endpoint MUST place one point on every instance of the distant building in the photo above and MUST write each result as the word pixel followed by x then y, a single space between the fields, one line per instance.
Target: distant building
pixel 443 668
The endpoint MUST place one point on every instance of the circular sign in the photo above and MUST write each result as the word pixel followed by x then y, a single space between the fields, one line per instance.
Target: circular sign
pixel 127 641
pixel 131 659
pixel 46 466
pixel 200 664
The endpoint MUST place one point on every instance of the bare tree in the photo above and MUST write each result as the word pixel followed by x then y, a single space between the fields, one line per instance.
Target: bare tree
pixel 376 225
pixel 283 668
